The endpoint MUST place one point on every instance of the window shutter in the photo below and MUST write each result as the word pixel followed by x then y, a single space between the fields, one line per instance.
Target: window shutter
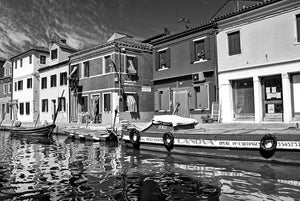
pixel 168 58
pixel 203 97
pixel 192 51
pixel 237 43
pixel 116 67
pixel 135 64
pixel 207 48
pixel 156 61
pixel 192 98
pixel 79 70
pixel 156 100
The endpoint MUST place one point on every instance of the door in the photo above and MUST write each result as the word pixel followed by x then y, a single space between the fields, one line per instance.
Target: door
pixel 181 98
pixel 295 81
pixel 272 98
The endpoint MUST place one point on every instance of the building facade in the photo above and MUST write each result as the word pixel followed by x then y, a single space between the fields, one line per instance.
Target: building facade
pixel 184 72
pixel 114 76
pixel 5 89
pixel 259 63
pixel 26 83
pixel 54 90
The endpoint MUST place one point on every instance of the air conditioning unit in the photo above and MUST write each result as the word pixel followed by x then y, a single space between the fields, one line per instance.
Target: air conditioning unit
pixel 198 77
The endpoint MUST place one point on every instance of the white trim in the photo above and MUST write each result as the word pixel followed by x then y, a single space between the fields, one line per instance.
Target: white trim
pixel 98 90
pixel 202 38
pixel 163 49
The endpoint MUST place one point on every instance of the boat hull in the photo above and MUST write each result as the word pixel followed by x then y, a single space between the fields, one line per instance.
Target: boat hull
pixel 36 131
pixel 245 145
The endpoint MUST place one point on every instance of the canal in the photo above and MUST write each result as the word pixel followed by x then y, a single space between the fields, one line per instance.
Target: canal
pixel 33 168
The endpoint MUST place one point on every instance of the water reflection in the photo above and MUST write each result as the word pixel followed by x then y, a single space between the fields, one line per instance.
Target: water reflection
pixel 62 169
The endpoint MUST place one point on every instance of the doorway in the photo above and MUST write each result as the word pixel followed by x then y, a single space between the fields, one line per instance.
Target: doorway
pixel 181 98
pixel 272 98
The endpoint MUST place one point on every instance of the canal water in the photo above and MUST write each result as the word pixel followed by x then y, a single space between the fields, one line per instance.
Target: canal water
pixel 35 168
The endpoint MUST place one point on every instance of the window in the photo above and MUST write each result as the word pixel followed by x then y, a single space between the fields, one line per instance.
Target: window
pixel 20 85
pixel 131 65
pixel 86 69
pixel 84 104
pixel 29 83
pixel 9 87
pixel 42 59
pixel 53 81
pixel 199 98
pixel 5 71
pixel 298 27
pixel 63 78
pixel 106 102
pixel 44 105
pixel 21 62
pixel 7 107
pixel 21 108
pixel 10 70
pixel 16 86
pixel 108 64
pixel 200 50
pixel 27 108
pixel 234 44
pixel 130 103
pixel 15 64
pixel 53 54
pixel 30 59
pixel 162 59
pixel 5 89
pixel 44 83
pixel 62 104
pixel 162 99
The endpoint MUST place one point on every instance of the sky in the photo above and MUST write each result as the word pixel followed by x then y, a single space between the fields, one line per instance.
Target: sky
pixel 85 23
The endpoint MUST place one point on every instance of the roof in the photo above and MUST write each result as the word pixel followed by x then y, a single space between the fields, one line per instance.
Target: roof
pixel 54 65
pixel 212 22
pixel 119 41
pixel 38 49
pixel 62 44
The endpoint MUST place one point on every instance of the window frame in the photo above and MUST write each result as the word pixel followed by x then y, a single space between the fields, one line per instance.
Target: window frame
pixel 231 50
pixel 159 96
pixel 54 52
pixel 30 59
pixel 21 62
pixel 43 61
pixel 104 102
pixel 21 106
pixel 20 85
pixel 53 80
pixel 63 78
pixel 27 108
pixel 87 103
pixel 44 83
pixel 44 105
pixel 109 56
pixel 29 83
pixel 86 69
pixel 5 90
pixel 207 96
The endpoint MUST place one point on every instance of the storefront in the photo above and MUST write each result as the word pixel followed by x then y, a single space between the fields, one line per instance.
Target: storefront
pixel 295 90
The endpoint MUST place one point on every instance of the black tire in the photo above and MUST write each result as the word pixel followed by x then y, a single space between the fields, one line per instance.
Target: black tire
pixel 135 138
pixel 168 140
pixel 267 151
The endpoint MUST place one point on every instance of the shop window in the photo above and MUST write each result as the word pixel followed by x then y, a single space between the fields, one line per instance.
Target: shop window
pixel 162 59
pixel 234 44
pixel 243 97
pixel 44 105
pixel 106 102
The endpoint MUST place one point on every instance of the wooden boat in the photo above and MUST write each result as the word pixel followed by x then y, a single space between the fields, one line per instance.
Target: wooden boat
pixel 33 131
pixel 178 135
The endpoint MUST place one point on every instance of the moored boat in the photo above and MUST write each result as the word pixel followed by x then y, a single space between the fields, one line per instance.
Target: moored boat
pixel 38 131
pixel 178 135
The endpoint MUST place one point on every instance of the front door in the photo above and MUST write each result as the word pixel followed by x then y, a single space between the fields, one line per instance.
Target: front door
pixel 272 98
pixel 181 98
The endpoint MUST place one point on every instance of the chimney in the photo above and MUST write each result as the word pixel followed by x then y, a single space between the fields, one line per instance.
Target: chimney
pixel 63 40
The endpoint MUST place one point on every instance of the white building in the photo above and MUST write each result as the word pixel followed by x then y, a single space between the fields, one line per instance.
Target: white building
pixel 53 82
pixel 259 63
pixel 26 83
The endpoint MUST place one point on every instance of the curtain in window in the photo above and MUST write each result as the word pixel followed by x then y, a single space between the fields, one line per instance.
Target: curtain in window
pixel 131 68
pixel 243 97
pixel 131 103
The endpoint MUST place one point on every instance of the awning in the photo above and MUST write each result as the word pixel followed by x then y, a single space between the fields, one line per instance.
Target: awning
pixel 131 103
pixel 73 71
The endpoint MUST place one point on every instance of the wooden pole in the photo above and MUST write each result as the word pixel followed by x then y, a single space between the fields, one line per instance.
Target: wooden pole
pixel 35 123
pixel 56 112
